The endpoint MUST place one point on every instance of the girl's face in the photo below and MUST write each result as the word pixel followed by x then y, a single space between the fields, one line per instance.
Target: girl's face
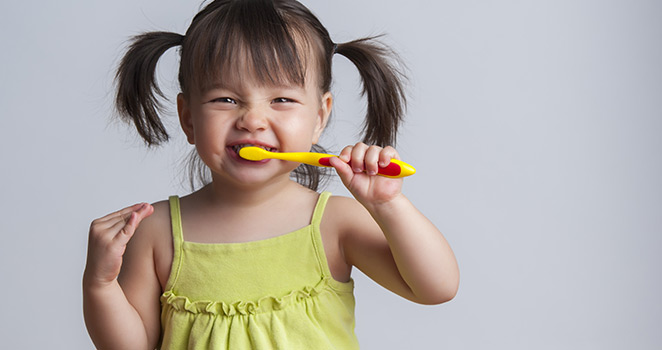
pixel 241 111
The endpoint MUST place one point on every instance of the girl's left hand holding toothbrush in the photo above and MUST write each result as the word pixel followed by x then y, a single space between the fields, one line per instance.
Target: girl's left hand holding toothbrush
pixel 406 253
pixel 357 166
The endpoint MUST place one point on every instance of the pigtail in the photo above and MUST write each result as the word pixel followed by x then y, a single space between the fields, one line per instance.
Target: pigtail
pixel 137 98
pixel 382 85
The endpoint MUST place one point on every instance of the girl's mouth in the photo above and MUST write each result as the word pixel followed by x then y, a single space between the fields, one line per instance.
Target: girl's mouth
pixel 238 147
pixel 234 150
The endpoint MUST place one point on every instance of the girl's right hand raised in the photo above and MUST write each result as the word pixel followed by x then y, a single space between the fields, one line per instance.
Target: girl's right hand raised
pixel 109 236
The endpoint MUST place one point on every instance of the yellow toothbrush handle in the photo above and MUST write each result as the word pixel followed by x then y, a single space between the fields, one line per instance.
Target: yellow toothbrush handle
pixel 395 169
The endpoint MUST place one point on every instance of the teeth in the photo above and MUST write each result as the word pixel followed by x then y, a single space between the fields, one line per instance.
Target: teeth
pixel 239 147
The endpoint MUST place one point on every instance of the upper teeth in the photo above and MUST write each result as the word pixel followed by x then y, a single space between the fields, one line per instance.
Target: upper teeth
pixel 238 147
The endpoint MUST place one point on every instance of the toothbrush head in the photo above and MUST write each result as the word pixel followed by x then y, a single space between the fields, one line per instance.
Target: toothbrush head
pixel 253 153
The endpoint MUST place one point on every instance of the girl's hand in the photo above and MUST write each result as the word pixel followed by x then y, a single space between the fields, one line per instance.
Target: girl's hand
pixel 357 168
pixel 107 242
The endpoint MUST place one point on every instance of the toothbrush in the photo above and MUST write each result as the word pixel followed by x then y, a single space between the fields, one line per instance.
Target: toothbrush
pixel 395 169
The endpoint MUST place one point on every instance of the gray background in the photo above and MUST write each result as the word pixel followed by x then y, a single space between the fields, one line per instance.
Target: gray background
pixel 534 125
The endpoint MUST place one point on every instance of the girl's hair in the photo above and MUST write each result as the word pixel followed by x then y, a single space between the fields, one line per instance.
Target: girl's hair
pixel 274 40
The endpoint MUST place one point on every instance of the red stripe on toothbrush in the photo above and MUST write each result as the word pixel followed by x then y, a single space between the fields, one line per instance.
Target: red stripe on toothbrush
pixel 391 169
pixel 325 161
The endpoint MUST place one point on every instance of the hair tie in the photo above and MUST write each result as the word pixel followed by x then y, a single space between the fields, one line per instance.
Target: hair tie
pixel 335 48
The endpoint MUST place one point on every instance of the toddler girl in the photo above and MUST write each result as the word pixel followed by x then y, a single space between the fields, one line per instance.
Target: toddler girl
pixel 257 258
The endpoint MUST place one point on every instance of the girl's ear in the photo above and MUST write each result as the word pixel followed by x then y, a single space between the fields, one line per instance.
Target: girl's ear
pixel 185 118
pixel 323 115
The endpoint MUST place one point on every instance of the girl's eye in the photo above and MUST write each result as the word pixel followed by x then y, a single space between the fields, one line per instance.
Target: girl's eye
pixel 224 100
pixel 282 100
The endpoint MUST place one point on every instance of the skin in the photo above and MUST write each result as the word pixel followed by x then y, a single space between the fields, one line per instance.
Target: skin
pixel 379 230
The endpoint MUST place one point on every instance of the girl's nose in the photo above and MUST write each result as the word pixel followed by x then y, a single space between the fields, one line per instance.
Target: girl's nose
pixel 252 120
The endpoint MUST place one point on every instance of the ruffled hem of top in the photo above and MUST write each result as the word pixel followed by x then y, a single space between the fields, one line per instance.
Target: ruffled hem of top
pixel 265 304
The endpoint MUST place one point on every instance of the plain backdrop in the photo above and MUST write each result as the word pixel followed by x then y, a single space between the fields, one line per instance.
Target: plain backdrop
pixel 535 127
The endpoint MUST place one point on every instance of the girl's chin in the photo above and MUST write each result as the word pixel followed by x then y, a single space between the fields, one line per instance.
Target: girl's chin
pixel 253 173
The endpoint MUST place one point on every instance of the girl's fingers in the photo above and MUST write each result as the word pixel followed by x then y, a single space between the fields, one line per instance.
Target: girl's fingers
pixel 368 159
pixel 386 155
pixel 120 214
pixel 126 231
pixel 346 154
pixel 118 229
pixel 343 169
pixel 125 220
pixel 358 156
pixel 371 160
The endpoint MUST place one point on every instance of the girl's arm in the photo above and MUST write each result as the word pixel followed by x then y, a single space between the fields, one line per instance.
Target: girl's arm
pixel 126 315
pixel 389 239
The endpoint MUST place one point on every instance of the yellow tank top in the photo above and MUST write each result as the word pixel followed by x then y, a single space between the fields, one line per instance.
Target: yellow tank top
pixel 276 293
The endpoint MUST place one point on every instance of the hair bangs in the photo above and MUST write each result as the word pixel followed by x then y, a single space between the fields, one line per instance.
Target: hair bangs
pixel 240 41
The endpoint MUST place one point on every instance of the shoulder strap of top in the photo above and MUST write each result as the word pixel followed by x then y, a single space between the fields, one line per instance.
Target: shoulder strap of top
pixel 177 239
pixel 319 208
pixel 346 287
pixel 176 220
pixel 316 235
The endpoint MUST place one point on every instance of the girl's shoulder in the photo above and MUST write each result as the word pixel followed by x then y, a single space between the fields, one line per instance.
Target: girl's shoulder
pixel 153 239
pixel 157 225
pixel 341 203
pixel 154 234
pixel 345 214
